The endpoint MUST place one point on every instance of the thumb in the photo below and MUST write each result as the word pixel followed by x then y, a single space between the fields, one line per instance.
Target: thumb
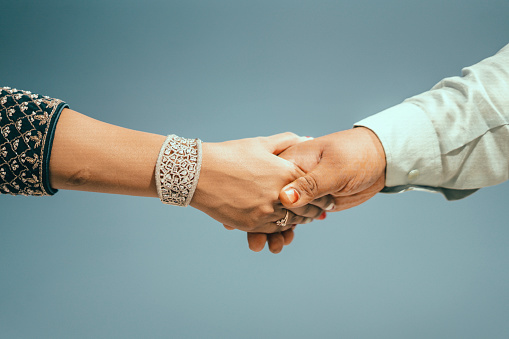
pixel 315 184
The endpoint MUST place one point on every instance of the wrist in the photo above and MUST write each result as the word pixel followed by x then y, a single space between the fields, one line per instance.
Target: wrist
pixel 376 148
pixel 199 198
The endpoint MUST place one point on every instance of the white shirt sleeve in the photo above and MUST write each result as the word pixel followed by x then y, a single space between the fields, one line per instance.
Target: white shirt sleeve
pixel 452 139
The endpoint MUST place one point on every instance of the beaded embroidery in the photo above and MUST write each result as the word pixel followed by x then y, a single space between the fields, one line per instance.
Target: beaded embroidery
pixel 25 120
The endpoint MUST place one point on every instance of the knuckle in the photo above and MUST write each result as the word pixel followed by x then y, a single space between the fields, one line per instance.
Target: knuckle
pixel 264 211
pixel 259 216
pixel 263 140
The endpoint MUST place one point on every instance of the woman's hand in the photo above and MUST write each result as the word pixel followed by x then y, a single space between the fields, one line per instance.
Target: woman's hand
pixel 240 182
pixel 276 241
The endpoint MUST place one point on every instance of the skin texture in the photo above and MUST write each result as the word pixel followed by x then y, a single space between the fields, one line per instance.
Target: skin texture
pixel 348 166
pixel 90 155
pixel 239 182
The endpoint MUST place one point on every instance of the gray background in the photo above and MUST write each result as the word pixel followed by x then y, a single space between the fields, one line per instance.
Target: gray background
pixel 84 265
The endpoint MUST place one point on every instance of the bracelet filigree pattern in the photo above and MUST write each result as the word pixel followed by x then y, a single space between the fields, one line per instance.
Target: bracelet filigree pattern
pixel 178 169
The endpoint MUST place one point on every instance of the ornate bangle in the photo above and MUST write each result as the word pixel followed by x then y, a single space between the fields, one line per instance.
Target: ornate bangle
pixel 178 169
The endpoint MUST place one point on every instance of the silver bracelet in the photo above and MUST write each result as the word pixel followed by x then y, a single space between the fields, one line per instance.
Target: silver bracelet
pixel 178 169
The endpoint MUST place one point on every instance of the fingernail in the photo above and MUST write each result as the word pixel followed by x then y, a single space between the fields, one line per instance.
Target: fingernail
pixel 330 207
pixel 307 220
pixel 292 195
pixel 322 216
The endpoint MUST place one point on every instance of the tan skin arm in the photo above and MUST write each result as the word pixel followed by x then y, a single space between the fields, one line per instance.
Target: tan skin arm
pixel 239 182
pixel 90 155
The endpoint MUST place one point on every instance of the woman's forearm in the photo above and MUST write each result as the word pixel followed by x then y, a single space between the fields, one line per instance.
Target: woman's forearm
pixel 238 186
pixel 90 155
pixel 46 146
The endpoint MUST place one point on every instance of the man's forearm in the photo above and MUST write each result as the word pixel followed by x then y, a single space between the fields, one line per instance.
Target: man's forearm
pixel 453 136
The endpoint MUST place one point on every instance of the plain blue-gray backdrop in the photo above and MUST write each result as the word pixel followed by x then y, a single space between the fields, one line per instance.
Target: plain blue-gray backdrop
pixel 85 265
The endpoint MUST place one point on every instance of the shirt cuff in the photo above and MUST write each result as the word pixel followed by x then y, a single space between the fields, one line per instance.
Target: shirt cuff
pixel 411 146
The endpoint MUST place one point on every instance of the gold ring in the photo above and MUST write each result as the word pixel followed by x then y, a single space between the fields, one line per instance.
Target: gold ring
pixel 282 222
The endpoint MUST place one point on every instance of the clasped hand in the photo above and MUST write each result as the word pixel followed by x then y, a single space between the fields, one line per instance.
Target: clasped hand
pixel 249 184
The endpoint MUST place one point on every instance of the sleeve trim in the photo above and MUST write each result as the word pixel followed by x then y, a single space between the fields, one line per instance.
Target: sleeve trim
pixel 48 144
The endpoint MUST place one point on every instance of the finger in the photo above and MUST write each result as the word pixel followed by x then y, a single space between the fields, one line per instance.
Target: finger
pixel 228 227
pixel 308 211
pixel 375 188
pixel 322 180
pixel 294 219
pixel 276 242
pixel 273 227
pixel 256 241
pixel 344 203
pixel 279 142
pixel 325 203
pixel 288 236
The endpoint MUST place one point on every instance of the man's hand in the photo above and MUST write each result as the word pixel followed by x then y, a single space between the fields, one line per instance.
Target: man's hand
pixel 348 165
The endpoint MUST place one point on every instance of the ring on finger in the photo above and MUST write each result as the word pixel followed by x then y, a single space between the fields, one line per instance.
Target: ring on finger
pixel 282 222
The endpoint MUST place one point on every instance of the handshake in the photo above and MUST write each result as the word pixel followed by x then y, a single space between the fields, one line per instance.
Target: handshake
pixel 264 186
pixel 267 185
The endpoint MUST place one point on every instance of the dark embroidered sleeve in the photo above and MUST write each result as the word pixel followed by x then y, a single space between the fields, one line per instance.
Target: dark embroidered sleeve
pixel 27 127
